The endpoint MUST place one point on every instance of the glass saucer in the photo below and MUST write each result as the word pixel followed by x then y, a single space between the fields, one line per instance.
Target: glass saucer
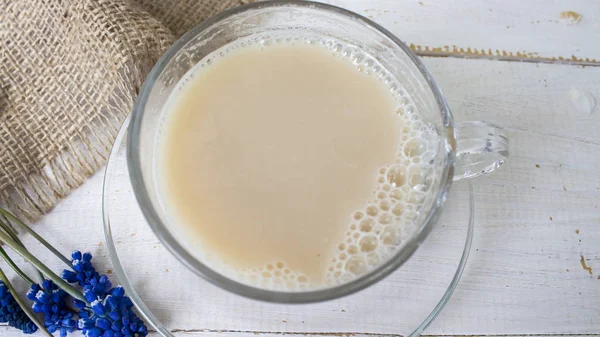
pixel 172 298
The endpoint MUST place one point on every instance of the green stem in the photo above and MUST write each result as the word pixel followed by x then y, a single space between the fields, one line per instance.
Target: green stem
pixel 14 266
pixel 35 235
pixel 23 305
pixel 10 226
pixel 13 234
pixel 6 225
pixel 41 267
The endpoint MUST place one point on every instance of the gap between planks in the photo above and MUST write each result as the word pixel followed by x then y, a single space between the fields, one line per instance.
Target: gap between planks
pixel 348 334
pixel 366 334
pixel 498 55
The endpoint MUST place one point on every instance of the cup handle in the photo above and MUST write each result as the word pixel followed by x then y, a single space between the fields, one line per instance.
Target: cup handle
pixel 480 149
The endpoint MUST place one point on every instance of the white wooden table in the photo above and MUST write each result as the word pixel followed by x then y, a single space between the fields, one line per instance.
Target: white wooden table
pixel 532 67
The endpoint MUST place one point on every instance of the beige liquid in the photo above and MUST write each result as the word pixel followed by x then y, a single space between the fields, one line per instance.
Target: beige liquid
pixel 268 153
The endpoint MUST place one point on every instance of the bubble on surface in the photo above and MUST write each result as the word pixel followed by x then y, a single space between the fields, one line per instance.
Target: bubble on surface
pixel 390 235
pixel 373 235
pixel 368 243
pixel 384 205
pixel 372 210
pixel 356 265
pixel 385 219
pixel 396 194
pixel 373 259
pixel 367 225
pixel 398 209
pixel 396 175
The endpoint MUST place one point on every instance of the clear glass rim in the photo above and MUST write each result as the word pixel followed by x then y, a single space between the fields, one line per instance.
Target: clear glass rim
pixel 214 277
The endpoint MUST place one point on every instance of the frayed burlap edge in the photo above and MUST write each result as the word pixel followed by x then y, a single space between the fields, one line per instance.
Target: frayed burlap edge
pixel 41 191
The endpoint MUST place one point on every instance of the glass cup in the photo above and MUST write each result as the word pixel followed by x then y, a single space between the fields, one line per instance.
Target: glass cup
pixel 463 150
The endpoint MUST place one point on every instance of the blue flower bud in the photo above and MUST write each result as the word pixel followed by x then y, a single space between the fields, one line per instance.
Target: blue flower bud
pixel 118 291
pixel 84 314
pixel 116 325
pixel 85 323
pixel 42 297
pixel 69 276
pixel 103 323
pixel 114 315
pixel 52 328
pixel 32 292
pixel 98 308
pixel 37 307
pixel 127 302
pixel 76 255
pixel 112 302
pixel 78 304
pixel 89 296
pixel 77 266
pixel 142 329
pixel 47 308
pixel 48 285
pixel 94 332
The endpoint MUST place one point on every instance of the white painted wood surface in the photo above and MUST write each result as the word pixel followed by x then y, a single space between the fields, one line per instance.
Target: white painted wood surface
pixel 534 225
pixel 543 28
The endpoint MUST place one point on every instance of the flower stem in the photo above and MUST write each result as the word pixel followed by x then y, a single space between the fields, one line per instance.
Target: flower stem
pixel 35 235
pixel 16 268
pixel 8 228
pixel 23 305
pixel 5 225
pixel 41 267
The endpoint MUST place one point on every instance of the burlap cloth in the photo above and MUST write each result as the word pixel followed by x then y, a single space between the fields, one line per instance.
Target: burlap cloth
pixel 70 71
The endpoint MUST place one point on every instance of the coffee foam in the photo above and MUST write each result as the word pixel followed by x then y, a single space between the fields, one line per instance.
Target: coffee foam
pixel 376 231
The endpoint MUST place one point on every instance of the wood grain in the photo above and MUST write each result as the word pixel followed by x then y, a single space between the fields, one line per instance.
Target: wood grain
pixel 533 224
pixel 545 30
pixel 535 265
pixel 200 333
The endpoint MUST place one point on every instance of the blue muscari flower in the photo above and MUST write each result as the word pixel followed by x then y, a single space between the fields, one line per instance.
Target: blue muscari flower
pixel 51 301
pixel 110 317
pixel 83 269
pixel 110 312
pixel 86 276
pixel 11 312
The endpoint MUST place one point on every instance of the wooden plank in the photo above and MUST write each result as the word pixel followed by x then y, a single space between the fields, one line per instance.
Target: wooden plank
pixel 525 274
pixel 535 264
pixel 529 236
pixel 9 332
pixel 543 30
